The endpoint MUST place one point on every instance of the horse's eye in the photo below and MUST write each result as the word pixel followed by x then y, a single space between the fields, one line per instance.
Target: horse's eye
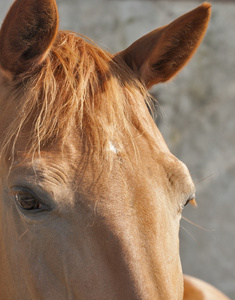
pixel 187 202
pixel 191 200
pixel 27 201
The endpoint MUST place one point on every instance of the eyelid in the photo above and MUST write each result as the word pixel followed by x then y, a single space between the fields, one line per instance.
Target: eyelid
pixel 15 190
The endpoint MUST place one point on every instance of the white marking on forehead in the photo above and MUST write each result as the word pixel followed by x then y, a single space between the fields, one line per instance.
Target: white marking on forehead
pixel 112 148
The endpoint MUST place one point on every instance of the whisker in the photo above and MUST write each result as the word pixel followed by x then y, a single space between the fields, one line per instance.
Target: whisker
pixel 205 178
pixel 192 237
pixel 196 225
pixel 23 234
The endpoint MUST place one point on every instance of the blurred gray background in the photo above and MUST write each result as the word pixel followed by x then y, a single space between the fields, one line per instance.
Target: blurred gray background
pixel 195 115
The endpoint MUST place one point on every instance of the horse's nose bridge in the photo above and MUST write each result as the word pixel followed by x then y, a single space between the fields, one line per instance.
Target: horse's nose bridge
pixel 137 250
pixel 149 276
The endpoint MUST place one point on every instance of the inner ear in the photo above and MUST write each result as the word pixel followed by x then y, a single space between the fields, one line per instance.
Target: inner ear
pixel 27 34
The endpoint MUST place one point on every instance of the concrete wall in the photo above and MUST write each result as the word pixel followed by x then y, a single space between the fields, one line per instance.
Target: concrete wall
pixel 196 117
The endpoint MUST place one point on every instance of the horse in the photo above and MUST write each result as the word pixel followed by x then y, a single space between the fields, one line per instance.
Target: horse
pixel 91 196
pixel 196 289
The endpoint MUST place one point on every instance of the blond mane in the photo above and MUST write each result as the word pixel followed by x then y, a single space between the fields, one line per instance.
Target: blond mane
pixel 78 85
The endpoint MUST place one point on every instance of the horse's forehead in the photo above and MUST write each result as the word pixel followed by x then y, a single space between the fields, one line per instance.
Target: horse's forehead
pixel 157 166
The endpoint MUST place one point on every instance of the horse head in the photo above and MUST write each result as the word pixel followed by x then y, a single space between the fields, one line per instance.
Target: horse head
pixel 91 196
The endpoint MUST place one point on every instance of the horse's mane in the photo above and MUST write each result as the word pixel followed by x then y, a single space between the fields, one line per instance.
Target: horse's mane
pixel 78 85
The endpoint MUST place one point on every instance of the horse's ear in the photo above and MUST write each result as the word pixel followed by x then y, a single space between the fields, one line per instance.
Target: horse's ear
pixel 159 55
pixel 27 35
